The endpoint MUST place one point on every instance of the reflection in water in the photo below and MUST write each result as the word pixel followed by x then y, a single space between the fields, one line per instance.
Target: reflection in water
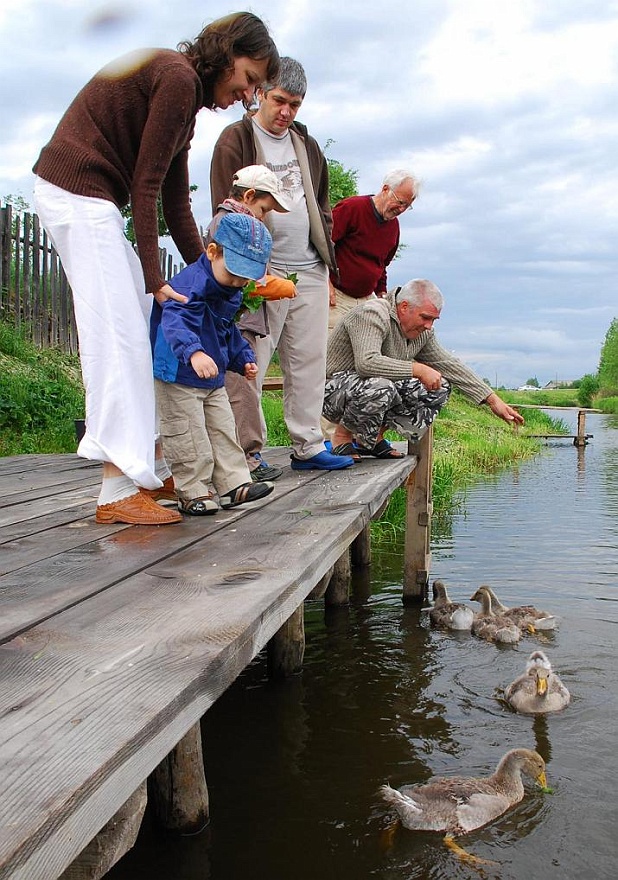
pixel 293 767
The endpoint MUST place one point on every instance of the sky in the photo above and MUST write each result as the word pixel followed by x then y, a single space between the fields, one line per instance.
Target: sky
pixel 507 110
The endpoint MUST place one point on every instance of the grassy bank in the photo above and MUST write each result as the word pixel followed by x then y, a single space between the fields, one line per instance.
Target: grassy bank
pixel 41 395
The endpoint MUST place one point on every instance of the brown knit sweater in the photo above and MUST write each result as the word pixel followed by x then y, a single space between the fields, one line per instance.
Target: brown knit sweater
pixel 369 341
pixel 124 138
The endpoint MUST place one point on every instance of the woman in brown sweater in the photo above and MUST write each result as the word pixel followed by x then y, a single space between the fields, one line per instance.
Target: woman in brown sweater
pixel 125 139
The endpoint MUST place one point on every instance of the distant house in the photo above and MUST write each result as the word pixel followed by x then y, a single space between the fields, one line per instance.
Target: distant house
pixel 558 383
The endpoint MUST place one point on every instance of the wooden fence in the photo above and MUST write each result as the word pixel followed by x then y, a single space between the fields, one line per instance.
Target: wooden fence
pixel 35 295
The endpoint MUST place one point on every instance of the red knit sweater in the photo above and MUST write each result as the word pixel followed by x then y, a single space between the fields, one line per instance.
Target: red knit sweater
pixel 364 246
pixel 124 138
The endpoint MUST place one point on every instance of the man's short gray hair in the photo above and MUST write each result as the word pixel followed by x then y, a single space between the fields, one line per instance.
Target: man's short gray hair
pixel 418 290
pixel 291 78
pixel 394 178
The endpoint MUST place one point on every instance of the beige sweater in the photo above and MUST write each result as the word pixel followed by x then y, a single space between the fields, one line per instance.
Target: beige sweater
pixel 369 341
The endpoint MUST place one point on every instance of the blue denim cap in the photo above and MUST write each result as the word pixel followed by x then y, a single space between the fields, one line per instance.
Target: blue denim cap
pixel 246 244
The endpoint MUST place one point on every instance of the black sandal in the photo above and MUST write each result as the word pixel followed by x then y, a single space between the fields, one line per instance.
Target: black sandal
pixel 383 449
pixel 347 449
pixel 246 492
pixel 203 506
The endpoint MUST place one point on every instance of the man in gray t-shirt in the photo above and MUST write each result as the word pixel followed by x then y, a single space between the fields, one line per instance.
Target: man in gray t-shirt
pixel 298 327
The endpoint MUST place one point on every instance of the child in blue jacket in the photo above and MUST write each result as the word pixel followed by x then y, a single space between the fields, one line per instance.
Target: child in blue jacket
pixel 194 343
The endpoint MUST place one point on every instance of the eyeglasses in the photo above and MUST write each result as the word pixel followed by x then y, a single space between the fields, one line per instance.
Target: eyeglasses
pixel 401 203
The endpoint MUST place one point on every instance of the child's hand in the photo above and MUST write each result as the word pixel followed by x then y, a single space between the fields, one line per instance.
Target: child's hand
pixel 204 365
pixel 251 371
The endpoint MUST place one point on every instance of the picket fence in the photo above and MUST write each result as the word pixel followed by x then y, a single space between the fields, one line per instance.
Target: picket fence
pixel 35 295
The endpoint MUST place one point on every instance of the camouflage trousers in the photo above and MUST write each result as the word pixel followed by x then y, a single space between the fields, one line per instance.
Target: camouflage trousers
pixel 366 406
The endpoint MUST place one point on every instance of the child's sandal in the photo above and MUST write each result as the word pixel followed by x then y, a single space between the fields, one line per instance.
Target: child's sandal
pixel 246 492
pixel 199 506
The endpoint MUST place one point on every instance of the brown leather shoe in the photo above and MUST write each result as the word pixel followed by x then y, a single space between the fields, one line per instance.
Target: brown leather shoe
pixel 167 492
pixel 138 509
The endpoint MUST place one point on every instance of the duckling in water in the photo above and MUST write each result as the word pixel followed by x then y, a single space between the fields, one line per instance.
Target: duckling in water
pixel 460 804
pixel 446 614
pixel 525 616
pixel 539 689
pixel 491 626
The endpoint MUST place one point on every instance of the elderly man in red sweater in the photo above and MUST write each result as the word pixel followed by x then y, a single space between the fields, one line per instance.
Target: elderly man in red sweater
pixel 366 238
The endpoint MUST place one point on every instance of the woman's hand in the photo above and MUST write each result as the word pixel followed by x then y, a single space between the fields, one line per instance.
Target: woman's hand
pixel 166 292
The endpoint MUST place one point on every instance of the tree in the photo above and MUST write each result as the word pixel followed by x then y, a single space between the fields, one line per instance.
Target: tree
pixel 342 182
pixel 608 364
pixel 588 387
pixel 534 382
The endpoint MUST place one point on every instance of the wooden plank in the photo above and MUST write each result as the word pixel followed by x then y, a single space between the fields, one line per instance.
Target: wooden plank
pixel 272 383
pixel 95 698
pixel 81 558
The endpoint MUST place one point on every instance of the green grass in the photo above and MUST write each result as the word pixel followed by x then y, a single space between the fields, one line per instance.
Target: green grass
pixel 607 405
pixel 545 397
pixel 40 396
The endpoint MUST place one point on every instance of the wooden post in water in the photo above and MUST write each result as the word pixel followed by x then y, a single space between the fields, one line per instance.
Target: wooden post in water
pixel 112 842
pixel 360 549
pixel 338 590
pixel 286 649
pixel 417 553
pixel 178 788
pixel 580 437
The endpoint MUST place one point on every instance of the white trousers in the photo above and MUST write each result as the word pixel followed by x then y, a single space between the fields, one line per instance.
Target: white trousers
pixel 112 314
pixel 299 330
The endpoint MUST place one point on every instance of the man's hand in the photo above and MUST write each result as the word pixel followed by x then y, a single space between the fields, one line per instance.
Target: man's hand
pixel 427 376
pixel 503 410
pixel 251 371
pixel 204 365
pixel 167 292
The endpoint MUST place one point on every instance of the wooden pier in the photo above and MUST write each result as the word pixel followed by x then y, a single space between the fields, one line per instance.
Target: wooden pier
pixel 115 640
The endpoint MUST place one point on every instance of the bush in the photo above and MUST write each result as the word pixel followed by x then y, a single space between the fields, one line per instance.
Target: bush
pixel 588 387
pixel 40 397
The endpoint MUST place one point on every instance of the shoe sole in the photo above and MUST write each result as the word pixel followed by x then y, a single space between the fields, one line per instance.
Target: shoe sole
pixel 136 521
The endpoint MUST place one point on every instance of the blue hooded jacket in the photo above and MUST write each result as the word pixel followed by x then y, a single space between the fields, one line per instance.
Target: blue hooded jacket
pixel 204 323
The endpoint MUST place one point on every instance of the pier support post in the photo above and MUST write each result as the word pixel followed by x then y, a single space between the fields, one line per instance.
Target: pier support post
pixel 112 842
pixel 580 437
pixel 320 588
pixel 286 649
pixel 178 788
pixel 338 590
pixel 360 549
pixel 417 552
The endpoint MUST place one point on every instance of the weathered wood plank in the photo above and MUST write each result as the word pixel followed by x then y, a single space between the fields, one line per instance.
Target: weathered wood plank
pixel 112 842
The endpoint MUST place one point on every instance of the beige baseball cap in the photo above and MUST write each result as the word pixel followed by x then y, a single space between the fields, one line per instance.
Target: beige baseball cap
pixel 262 178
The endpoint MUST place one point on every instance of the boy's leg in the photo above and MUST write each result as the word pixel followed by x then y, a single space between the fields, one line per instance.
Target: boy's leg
pixel 230 467
pixel 184 438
